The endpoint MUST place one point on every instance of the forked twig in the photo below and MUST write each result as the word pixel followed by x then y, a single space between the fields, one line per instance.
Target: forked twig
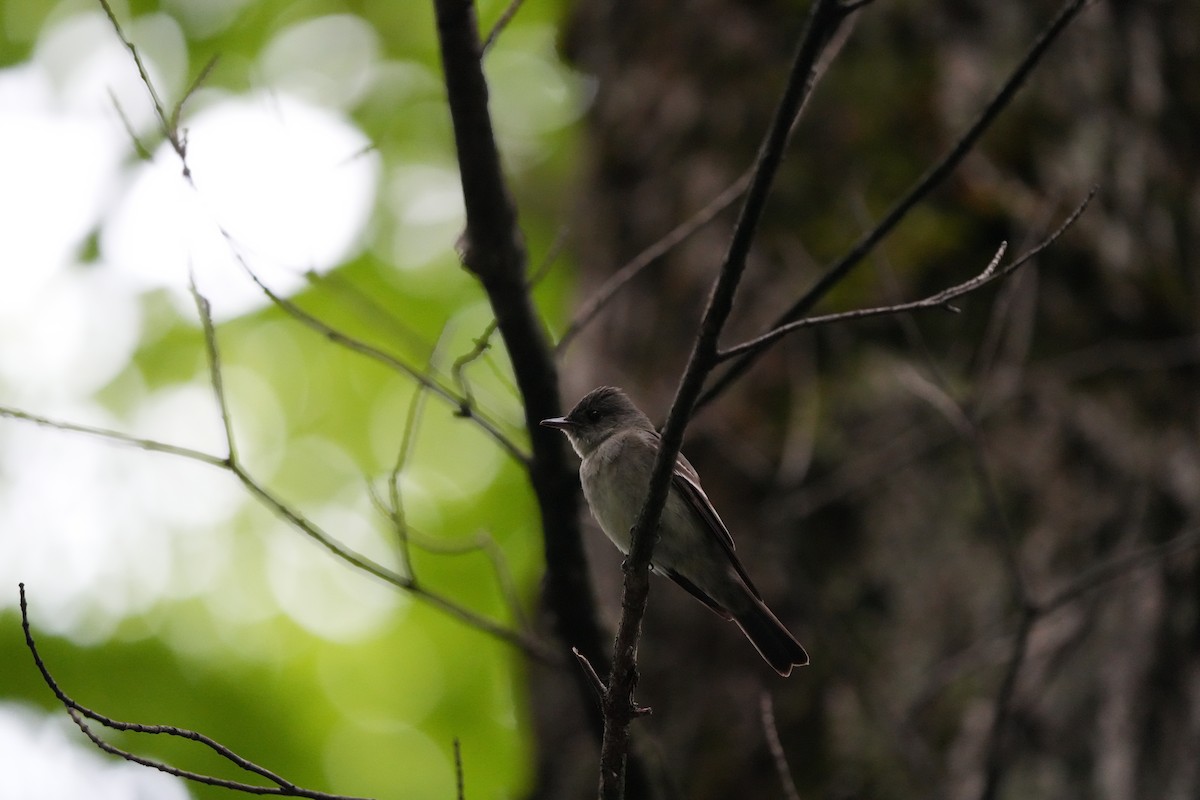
pixel 313 531
pixel 169 124
pixel 931 178
pixel 168 121
pixel 462 405
pixel 619 707
pixel 79 712
pixel 940 300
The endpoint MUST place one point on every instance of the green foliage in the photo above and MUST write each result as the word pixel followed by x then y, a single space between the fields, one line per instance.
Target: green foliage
pixel 372 710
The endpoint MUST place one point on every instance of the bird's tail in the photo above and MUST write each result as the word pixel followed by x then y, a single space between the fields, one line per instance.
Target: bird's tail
pixel 772 640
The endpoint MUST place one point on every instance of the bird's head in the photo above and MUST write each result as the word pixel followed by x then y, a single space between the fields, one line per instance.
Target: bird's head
pixel 601 413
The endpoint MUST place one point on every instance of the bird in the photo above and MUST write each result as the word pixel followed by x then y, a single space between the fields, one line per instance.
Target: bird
pixel 617 445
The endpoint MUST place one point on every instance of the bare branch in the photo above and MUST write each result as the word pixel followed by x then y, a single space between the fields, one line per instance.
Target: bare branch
pixel 159 108
pixel 494 252
pixel 463 407
pixel 767 708
pixel 483 343
pixel 1117 568
pixel 619 707
pixel 621 278
pixel 150 445
pixel 139 146
pixel 481 542
pixel 550 257
pixel 501 23
pixel 940 300
pixel 530 645
pixel 600 299
pixel 79 712
pixel 923 186
pixel 1002 707
pixel 215 373
pixel 459 784
pixel 195 85
pixel 395 511
pixel 590 671
pixel 168 122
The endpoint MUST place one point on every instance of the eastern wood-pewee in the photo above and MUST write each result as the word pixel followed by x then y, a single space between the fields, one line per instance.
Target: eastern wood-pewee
pixel 618 445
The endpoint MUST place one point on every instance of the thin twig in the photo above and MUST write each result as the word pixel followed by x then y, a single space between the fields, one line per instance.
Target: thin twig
pixel 600 299
pixel 591 673
pixel 169 122
pixel 462 407
pixel 367 305
pixel 215 373
pixel 1117 568
pixel 483 343
pixel 396 511
pixel 551 256
pixel 597 301
pixel 149 445
pixel 920 189
pixel 192 88
pixel 484 543
pixel 79 712
pixel 139 147
pixel 530 645
pixel 767 707
pixel 459 783
pixel 619 707
pixel 1002 707
pixel 159 108
pixel 501 24
pixel 940 300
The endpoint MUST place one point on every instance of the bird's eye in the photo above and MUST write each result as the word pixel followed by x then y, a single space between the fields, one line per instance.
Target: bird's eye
pixel 593 415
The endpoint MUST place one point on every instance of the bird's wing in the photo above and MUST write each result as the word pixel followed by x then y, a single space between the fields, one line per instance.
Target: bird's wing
pixel 695 592
pixel 687 482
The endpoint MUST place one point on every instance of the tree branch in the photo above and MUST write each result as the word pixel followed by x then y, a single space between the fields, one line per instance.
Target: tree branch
pixel 619 706
pixel 79 712
pixel 635 266
pixel 169 125
pixel 493 251
pixel 924 185
pixel 941 300
pixel 529 644
pixel 116 436
pixel 463 405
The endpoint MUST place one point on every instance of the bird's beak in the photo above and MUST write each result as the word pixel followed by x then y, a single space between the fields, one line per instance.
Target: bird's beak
pixel 562 423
